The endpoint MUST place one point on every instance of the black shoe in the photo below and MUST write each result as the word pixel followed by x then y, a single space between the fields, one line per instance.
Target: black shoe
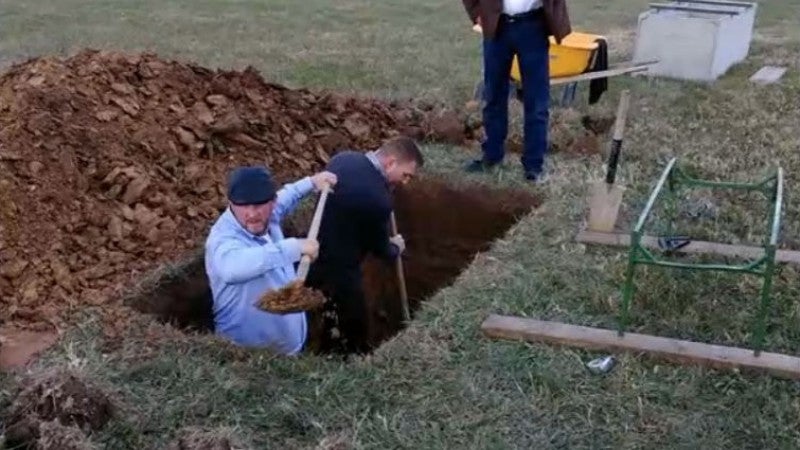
pixel 534 176
pixel 479 165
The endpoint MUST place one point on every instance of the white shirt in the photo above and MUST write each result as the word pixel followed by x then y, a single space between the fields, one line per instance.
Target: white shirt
pixel 520 6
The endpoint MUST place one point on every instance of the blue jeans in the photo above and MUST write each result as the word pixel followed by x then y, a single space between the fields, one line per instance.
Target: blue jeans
pixel 529 40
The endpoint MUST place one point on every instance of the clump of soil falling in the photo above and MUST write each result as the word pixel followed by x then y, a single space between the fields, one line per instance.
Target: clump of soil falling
pixel 57 396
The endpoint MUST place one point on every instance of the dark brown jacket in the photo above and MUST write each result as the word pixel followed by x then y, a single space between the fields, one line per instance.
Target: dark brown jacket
pixel 555 13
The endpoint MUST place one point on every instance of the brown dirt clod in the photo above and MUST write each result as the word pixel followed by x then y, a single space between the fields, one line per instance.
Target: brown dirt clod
pixel 597 124
pixel 60 396
pixel 447 127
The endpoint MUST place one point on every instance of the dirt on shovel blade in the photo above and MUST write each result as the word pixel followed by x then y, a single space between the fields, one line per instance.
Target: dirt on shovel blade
pixel 294 297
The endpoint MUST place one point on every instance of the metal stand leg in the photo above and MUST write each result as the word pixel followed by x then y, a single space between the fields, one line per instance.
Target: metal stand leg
pixel 627 290
pixel 677 181
pixel 568 94
pixel 761 324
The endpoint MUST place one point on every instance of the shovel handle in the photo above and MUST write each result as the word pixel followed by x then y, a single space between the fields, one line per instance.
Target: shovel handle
pixel 305 261
pixel 616 143
pixel 401 277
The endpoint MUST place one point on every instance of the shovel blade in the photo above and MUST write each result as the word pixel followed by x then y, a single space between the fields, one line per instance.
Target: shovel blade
pixel 604 207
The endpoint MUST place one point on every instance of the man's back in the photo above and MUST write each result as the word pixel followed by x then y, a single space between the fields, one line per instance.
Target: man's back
pixel 356 213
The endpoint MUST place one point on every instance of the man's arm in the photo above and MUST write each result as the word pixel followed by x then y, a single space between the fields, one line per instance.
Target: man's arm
pixel 234 262
pixel 289 196
pixel 473 9
pixel 376 224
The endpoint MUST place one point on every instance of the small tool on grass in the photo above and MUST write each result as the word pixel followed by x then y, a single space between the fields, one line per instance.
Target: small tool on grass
pixel 606 195
pixel 401 277
pixel 296 296
pixel 601 366
pixel 672 243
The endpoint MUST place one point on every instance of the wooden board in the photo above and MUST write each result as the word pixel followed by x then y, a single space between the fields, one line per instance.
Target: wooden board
pixel 742 251
pixel 673 350
pixel 600 74
pixel 768 75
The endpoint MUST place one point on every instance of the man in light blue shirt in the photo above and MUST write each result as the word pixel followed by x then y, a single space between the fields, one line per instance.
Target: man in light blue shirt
pixel 246 255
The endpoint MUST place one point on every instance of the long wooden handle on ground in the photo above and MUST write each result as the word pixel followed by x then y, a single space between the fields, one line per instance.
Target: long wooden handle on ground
pixel 401 277
pixel 305 261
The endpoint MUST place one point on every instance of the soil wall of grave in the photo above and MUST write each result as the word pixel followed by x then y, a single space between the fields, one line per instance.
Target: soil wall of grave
pixel 444 227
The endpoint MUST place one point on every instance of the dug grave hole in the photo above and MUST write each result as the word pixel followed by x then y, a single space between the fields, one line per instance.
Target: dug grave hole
pixel 444 225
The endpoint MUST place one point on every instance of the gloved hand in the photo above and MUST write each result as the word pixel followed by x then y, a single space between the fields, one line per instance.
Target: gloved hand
pixel 399 242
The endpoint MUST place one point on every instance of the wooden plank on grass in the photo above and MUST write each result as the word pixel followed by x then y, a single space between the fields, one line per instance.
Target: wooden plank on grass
pixel 673 350
pixel 743 251
pixel 768 75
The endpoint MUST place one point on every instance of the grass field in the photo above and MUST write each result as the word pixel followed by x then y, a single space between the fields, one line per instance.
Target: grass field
pixel 439 384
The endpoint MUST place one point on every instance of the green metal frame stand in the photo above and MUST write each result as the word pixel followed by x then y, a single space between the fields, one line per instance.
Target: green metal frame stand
pixel 674 179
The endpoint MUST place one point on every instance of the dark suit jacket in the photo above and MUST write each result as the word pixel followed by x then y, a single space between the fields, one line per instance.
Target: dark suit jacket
pixel 555 13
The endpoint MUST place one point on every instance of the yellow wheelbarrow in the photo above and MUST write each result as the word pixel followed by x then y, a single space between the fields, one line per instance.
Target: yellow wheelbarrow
pixel 579 57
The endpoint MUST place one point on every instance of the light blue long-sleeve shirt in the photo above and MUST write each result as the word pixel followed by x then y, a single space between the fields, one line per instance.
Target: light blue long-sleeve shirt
pixel 242 266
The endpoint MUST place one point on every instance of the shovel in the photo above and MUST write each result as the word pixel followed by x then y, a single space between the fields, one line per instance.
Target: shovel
pixel 606 196
pixel 296 296
pixel 401 277
pixel 305 261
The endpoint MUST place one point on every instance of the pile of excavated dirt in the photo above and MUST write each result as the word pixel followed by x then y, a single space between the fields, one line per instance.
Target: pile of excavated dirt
pixel 111 163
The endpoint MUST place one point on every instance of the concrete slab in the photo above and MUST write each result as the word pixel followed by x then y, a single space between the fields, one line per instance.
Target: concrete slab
pixel 768 75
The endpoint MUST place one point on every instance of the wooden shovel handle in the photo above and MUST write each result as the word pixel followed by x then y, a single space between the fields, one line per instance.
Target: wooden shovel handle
pixel 305 261
pixel 401 277
pixel 616 143
pixel 622 114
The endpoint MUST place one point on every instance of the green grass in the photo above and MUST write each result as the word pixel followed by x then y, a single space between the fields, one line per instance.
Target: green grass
pixel 440 384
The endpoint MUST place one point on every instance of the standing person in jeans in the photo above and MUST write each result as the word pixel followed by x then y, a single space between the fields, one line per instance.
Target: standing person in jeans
pixel 520 27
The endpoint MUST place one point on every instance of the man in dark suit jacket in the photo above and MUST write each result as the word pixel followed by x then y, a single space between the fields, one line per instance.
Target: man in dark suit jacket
pixel 355 222
pixel 520 27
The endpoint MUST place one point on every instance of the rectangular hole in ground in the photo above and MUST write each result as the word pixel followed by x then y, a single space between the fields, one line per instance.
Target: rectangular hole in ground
pixel 444 227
